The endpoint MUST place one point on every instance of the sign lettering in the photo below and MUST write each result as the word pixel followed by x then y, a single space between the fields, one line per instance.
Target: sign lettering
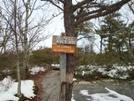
pixel 63 48
pixel 64 40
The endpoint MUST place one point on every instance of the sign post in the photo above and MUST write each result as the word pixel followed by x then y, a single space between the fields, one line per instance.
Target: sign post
pixel 63 77
pixel 64 45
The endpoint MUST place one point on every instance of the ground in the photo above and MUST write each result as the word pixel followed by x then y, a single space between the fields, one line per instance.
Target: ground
pixel 38 78
pixel 47 83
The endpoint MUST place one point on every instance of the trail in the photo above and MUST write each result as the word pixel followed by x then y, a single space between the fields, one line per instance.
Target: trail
pixel 51 86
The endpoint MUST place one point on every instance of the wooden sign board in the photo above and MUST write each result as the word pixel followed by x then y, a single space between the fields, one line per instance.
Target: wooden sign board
pixel 59 48
pixel 64 40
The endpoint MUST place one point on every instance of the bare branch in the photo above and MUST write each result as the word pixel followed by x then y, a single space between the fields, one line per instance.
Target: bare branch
pixel 56 5
pixel 101 11
pixel 130 6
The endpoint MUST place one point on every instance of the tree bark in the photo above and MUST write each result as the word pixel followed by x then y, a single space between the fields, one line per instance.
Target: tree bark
pixel 70 31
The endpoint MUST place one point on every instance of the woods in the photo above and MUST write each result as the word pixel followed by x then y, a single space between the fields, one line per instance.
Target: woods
pixel 21 30
pixel 71 21
pixel 21 33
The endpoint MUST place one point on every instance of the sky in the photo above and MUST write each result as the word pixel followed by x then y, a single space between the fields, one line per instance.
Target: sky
pixel 56 27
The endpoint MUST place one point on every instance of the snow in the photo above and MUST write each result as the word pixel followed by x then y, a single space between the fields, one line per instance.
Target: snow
pixel 36 69
pixel 6 96
pixel 84 92
pixel 8 88
pixel 110 96
pixel 55 65
pixel 113 72
pixel 27 88
pixel 83 73
pixel 72 98
pixel 74 79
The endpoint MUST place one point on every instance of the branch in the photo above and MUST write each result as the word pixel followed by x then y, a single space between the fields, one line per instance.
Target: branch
pixel 80 4
pixel 130 7
pixel 101 11
pixel 62 1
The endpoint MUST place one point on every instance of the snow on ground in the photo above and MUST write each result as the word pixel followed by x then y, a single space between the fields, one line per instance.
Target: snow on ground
pixel 8 88
pixel 113 72
pixel 110 96
pixel 55 65
pixel 72 98
pixel 36 69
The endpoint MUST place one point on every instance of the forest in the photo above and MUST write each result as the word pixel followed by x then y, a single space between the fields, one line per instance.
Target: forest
pixel 23 25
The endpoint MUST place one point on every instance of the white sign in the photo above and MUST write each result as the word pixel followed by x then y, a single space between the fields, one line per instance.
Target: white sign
pixel 64 40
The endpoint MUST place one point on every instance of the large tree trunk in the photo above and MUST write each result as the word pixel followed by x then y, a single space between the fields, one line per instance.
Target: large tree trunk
pixel 70 31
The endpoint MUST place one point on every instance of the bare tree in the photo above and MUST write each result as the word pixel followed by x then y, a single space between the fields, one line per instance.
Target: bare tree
pixel 25 30
pixel 4 34
pixel 11 21
pixel 5 38
pixel 29 27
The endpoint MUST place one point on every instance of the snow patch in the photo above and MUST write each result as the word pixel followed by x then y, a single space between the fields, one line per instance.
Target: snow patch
pixel 8 88
pixel 35 70
pixel 110 96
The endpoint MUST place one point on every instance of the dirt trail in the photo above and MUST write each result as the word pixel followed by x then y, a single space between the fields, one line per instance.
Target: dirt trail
pixel 51 86
pixel 38 79
pixel 48 84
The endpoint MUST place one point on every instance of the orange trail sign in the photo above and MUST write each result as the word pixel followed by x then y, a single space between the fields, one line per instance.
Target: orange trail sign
pixel 60 48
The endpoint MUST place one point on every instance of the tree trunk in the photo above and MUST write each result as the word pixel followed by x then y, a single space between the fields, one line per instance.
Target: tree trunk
pixel 101 44
pixel 25 44
pixel 19 79
pixel 70 31
pixel 17 50
pixel 129 49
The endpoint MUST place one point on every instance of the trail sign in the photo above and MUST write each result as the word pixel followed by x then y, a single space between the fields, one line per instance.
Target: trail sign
pixel 59 48
pixel 63 45
pixel 64 40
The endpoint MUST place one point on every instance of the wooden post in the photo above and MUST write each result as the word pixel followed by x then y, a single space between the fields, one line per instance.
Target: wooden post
pixel 63 77
pixel 65 45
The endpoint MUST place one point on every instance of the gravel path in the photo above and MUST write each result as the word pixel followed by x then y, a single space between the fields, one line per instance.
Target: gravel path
pixel 51 87
pixel 51 84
